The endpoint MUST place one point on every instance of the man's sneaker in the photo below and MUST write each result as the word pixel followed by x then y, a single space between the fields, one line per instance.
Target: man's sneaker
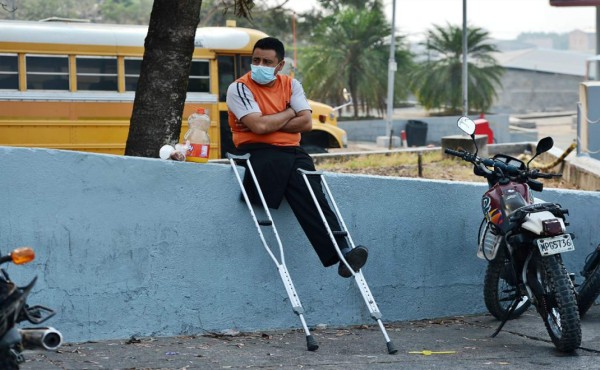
pixel 356 258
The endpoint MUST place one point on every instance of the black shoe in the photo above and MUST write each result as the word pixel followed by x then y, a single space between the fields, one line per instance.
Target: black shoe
pixel 356 258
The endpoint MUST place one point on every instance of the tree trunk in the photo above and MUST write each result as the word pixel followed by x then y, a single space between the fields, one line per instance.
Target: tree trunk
pixel 164 75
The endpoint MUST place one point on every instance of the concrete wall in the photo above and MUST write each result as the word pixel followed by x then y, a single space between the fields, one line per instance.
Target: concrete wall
pixel 525 91
pixel 133 246
pixel 437 127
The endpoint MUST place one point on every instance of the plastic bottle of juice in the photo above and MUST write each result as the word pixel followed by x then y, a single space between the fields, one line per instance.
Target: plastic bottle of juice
pixel 197 136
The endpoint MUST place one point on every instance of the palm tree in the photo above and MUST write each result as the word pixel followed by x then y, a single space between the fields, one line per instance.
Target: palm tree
pixel 350 49
pixel 437 82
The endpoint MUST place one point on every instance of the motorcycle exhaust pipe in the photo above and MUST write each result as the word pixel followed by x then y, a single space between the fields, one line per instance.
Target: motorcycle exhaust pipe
pixel 41 338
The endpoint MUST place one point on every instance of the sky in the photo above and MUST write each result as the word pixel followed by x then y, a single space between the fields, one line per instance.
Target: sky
pixel 504 19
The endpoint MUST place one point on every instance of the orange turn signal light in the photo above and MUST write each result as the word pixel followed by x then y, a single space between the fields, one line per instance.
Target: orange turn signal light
pixel 22 255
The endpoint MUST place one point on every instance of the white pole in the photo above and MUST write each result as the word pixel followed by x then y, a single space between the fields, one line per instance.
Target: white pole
pixel 465 79
pixel 391 72
pixel 597 42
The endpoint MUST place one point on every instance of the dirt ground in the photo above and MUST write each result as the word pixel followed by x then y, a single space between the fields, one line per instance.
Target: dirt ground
pixel 432 166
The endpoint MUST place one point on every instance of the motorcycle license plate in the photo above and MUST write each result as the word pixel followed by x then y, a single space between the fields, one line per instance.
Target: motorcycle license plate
pixel 554 245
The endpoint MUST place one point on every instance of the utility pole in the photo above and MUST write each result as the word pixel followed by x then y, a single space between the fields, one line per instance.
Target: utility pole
pixel 392 67
pixel 465 70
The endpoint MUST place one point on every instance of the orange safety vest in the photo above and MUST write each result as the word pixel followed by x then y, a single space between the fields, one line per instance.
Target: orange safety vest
pixel 271 100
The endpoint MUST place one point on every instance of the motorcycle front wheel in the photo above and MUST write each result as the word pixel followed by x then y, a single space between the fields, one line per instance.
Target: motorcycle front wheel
pixel 588 291
pixel 499 288
pixel 558 304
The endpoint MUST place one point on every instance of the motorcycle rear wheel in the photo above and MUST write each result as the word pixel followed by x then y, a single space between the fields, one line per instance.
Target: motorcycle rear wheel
pixel 499 288
pixel 7 360
pixel 588 291
pixel 558 304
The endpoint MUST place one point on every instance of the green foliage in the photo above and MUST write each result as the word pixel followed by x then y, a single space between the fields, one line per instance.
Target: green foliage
pixel 437 82
pixel 275 21
pixel 338 5
pixel 40 9
pixel 126 11
pixel 349 50
pixel 214 12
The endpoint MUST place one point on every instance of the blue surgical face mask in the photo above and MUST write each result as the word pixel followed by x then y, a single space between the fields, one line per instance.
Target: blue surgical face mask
pixel 263 74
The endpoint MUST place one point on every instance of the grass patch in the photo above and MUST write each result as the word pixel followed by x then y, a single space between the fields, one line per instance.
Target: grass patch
pixel 434 166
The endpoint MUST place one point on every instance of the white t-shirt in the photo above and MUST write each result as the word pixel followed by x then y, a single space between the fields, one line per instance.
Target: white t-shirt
pixel 240 99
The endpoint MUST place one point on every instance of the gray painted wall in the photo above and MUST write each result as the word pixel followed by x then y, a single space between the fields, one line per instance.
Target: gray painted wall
pixel 134 246
pixel 437 127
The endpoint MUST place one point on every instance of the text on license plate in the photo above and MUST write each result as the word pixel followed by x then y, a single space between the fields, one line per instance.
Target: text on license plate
pixel 554 245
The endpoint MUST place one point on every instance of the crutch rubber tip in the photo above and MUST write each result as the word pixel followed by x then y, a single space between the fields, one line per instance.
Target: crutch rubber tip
pixel 391 349
pixel 311 343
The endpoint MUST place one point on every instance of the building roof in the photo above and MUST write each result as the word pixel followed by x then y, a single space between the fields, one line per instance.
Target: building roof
pixel 544 60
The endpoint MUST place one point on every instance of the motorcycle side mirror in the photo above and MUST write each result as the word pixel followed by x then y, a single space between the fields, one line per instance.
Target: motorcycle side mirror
pixel 466 125
pixel 543 146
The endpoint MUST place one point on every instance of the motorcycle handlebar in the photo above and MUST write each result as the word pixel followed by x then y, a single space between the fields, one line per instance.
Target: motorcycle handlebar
pixel 500 167
pixel 454 152
pixel 545 175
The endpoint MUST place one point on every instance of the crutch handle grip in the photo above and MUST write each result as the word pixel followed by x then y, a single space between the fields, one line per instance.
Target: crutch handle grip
pixel 243 157
pixel 306 172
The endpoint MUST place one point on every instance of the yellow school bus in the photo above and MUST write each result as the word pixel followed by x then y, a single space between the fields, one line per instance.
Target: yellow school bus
pixel 71 85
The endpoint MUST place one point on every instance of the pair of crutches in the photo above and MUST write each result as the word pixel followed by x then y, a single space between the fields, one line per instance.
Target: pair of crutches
pixel 311 343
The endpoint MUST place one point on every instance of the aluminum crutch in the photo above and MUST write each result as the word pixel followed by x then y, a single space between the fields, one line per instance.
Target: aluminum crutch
pixel 358 276
pixel 311 343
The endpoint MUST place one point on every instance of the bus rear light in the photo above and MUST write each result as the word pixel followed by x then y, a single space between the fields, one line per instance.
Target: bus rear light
pixel 322 118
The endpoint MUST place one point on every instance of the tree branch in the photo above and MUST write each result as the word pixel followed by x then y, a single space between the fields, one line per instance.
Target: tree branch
pixel 5 8
pixel 243 8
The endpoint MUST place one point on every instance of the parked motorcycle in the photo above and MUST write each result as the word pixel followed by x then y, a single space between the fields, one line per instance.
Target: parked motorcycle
pixel 522 239
pixel 589 290
pixel 14 309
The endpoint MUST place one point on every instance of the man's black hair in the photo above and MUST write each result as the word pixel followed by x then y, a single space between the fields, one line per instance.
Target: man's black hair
pixel 271 43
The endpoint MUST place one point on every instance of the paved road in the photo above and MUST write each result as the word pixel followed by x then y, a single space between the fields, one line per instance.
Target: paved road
pixel 523 344
pixel 560 128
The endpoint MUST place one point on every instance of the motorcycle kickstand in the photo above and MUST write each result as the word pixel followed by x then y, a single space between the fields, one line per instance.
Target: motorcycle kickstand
pixel 507 315
pixel 361 283
pixel 311 342
pixel 515 303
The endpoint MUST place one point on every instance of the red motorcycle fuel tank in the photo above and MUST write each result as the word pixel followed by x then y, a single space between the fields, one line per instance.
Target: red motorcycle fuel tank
pixel 501 200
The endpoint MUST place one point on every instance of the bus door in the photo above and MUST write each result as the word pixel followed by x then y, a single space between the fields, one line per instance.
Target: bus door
pixel 231 67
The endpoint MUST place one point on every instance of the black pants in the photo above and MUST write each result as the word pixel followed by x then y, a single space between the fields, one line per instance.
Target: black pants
pixel 276 172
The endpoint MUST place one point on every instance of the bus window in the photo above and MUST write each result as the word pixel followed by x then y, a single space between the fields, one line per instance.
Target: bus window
pixel 230 69
pixel 9 72
pixel 245 62
pixel 133 66
pixel 47 72
pixel 226 74
pixel 199 77
pixel 97 73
